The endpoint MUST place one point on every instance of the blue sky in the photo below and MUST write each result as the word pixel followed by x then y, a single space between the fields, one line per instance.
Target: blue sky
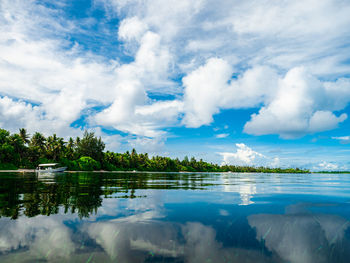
pixel 241 82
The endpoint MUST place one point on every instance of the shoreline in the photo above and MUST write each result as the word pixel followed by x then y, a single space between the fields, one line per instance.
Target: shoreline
pixel 104 171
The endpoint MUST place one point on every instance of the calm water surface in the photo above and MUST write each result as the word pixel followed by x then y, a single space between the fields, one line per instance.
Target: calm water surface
pixel 175 217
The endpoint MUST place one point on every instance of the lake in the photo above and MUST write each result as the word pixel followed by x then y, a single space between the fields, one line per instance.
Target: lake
pixel 174 217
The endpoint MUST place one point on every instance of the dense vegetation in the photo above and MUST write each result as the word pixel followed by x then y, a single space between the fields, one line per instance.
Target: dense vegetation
pixel 87 154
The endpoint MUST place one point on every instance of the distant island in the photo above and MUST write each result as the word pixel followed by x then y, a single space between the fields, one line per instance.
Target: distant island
pixel 19 150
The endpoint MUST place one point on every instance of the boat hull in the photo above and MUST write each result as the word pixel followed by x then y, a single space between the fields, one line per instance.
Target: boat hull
pixel 50 170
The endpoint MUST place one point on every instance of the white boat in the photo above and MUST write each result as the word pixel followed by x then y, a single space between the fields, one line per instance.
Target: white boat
pixel 50 168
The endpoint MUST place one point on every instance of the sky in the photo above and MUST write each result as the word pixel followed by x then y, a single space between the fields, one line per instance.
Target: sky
pixel 262 82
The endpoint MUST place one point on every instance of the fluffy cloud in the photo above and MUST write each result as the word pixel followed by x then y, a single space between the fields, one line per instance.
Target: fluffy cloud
pixel 204 91
pixel 15 114
pixel 131 29
pixel 132 111
pixel 302 105
pixel 293 105
pixel 327 166
pixel 211 88
pixel 243 156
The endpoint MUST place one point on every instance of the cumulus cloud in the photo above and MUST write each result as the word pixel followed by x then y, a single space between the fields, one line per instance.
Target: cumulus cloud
pixel 15 114
pixel 292 105
pixel 243 156
pixel 326 166
pixel 211 88
pixel 300 106
pixel 132 111
pixel 131 29
pixel 203 92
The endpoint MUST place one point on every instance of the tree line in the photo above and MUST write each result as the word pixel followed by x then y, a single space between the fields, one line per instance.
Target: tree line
pixel 20 150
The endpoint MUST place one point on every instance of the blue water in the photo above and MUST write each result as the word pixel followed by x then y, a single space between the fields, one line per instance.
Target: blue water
pixel 174 217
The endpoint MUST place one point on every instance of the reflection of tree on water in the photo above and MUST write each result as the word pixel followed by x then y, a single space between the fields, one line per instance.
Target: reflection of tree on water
pixel 9 198
pixel 81 193
pixel 32 196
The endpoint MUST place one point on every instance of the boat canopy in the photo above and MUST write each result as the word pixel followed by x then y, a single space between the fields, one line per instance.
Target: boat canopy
pixel 47 164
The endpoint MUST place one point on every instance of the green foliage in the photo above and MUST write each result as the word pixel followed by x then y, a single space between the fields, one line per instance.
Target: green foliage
pixel 24 135
pixel 72 165
pixel 110 167
pixel 54 147
pixel 38 140
pixel 7 166
pixel 86 163
pixel 90 146
pixel 10 147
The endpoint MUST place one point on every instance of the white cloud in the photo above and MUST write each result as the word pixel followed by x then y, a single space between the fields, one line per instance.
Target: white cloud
pixel 210 88
pixel 343 139
pixel 131 29
pixel 148 145
pixel 203 92
pixel 222 135
pixel 132 111
pixel 243 156
pixel 327 166
pixel 302 105
pixel 16 114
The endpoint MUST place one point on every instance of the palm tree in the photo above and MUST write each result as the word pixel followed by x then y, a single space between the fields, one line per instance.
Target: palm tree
pixel 54 146
pixel 24 135
pixel 18 148
pixel 70 149
pixel 70 143
pixel 38 140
